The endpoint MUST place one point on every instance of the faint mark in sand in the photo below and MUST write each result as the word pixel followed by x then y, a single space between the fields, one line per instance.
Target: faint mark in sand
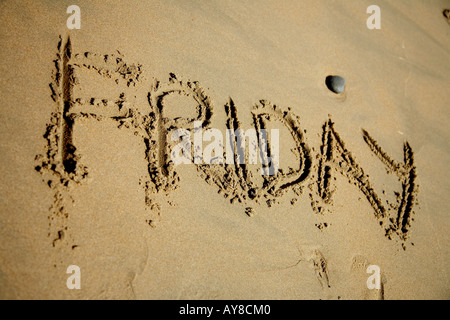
pixel 446 14
pixel 140 270
pixel 320 267
pixel 316 259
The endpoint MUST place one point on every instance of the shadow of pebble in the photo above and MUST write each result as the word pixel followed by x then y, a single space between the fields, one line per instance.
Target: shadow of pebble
pixel 335 84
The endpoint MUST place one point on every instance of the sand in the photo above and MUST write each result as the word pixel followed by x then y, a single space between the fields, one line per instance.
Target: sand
pixel 85 159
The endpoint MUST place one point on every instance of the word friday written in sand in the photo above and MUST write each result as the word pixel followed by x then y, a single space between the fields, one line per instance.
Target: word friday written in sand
pixel 62 168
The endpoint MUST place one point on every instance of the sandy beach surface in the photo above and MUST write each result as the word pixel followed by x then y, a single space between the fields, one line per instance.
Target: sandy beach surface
pixel 88 177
